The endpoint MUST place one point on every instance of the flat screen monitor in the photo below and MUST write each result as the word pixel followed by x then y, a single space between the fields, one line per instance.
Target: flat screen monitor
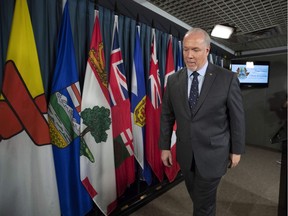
pixel 251 73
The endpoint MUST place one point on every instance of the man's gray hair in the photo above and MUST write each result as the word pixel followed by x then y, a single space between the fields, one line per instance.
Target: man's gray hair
pixel 194 30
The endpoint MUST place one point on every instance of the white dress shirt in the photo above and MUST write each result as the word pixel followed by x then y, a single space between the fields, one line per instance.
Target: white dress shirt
pixel 201 76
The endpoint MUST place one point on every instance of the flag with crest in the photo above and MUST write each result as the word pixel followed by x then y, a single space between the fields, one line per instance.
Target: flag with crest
pixel 121 117
pixel 97 152
pixel 138 103
pixel 27 175
pixel 64 122
pixel 153 111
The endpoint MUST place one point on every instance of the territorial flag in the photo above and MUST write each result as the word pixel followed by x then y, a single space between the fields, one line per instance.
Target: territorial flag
pixel 153 111
pixel 171 172
pixel 64 122
pixel 97 151
pixel 121 117
pixel 27 174
pixel 138 103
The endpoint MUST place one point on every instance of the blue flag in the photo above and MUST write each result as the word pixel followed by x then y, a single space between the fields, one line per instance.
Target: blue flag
pixel 138 103
pixel 180 63
pixel 64 125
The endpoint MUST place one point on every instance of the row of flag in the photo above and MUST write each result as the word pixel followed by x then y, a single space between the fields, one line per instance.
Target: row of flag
pixel 97 136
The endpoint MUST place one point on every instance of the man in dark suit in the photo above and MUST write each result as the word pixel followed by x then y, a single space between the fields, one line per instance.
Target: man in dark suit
pixel 210 129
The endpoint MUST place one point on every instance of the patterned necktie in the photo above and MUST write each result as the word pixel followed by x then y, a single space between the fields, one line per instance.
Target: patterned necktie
pixel 194 93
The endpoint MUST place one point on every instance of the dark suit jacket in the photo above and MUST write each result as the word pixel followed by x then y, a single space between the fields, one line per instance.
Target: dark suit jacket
pixel 215 129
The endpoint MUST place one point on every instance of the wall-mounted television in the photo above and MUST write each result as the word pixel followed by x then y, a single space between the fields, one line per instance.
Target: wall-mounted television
pixel 251 73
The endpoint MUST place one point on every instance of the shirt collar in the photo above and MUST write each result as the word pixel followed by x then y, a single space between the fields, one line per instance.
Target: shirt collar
pixel 201 71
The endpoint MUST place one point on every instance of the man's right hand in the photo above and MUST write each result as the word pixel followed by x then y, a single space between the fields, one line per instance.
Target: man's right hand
pixel 166 158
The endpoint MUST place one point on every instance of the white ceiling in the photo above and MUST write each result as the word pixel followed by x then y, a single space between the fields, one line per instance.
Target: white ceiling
pixel 260 25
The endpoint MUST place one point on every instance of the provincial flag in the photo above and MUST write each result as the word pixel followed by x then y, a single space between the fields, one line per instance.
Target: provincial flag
pixel 121 117
pixel 97 151
pixel 64 122
pixel 211 58
pixel 27 174
pixel 180 63
pixel 138 103
pixel 171 172
pixel 153 111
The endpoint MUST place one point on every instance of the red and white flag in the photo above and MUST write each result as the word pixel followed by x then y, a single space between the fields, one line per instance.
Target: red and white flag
pixel 97 152
pixel 153 111
pixel 121 117
pixel 171 172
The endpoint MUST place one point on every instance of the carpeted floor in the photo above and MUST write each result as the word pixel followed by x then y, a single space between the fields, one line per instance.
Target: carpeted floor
pixel 250 189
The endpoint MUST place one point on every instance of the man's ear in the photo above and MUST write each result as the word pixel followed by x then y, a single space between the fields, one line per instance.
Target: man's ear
pixel 208 50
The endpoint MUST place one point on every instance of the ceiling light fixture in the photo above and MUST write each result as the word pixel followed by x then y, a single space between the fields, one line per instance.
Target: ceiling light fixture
pixel 222 31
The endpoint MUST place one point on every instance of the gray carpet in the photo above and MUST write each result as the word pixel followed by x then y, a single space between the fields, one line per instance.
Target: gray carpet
pixel 250 189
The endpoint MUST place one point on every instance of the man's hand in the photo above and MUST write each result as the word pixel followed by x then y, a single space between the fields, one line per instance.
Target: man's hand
pixel 235 159
pixel 166 158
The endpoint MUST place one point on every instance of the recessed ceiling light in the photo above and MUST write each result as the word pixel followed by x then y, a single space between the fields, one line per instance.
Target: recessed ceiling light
pixel 222 31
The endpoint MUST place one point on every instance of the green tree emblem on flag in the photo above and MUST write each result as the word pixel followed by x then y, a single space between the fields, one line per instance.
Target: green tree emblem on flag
pixel 98 121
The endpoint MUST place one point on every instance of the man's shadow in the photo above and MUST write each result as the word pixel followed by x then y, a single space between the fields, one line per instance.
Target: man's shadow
pixel 278 104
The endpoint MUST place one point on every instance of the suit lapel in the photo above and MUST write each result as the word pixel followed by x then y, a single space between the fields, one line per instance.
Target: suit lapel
pixel 208 81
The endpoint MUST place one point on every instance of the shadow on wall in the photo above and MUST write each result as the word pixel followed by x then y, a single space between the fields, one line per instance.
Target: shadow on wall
pixel 278 104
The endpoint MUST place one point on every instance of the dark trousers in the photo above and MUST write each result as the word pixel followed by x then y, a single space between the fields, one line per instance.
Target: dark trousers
pixel 203 193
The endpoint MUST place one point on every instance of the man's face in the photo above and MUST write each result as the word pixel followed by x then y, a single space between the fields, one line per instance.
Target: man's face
pixel 195 50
